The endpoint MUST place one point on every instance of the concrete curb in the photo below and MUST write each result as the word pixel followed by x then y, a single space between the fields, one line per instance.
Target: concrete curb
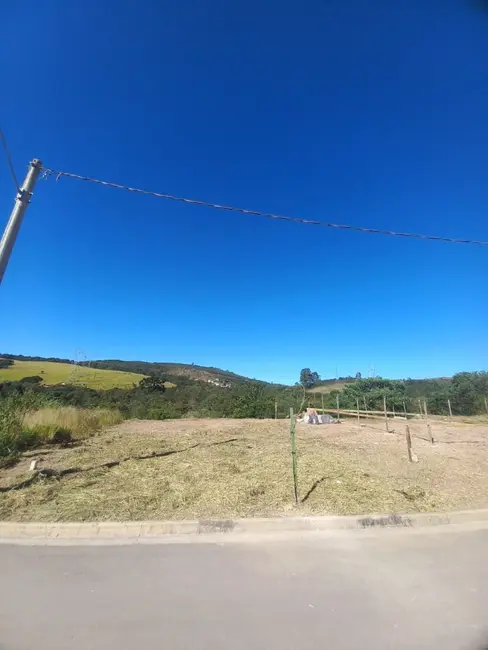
pixel 147 530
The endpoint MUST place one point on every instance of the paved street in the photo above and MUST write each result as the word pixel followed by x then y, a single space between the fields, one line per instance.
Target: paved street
pixel 390 589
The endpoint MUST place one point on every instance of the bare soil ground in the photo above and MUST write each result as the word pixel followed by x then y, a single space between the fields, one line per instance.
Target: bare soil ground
pixel 188 469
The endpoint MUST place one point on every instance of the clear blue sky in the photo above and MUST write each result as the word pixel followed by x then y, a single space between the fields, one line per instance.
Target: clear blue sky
pixel 370 112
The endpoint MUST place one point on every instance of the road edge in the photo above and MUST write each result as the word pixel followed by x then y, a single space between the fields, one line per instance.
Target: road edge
pixel 12 532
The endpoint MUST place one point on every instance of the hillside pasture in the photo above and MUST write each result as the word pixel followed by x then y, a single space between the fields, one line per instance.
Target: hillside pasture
pixel 329 387
pixel 57 373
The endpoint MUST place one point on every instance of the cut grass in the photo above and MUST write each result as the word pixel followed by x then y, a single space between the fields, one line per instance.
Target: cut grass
pixel 57 373
pixel 238 468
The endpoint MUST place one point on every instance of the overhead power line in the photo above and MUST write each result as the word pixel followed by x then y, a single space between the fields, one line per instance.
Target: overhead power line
pixel 9 160
pixel 376 231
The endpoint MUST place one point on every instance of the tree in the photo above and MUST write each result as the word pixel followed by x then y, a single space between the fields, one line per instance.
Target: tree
pixel 358 375
pixel 152 384
pixel 308 378
pixel 468 391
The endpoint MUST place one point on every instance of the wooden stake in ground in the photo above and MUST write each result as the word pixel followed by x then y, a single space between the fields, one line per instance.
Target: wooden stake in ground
pixel 429 429
pixel 276 409
pixel 323 403
pixel 357 406
pixel 449 406
pixel 293 455
pixel 420 409
pixel 386 415
pixel 338 409
pixel 409 443
pixel 364 402
pixel 404 409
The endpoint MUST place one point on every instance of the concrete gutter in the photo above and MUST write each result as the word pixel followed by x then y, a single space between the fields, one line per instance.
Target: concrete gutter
pixel 11 532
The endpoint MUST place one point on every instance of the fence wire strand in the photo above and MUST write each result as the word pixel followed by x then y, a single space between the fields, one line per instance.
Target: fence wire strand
pixel 376 231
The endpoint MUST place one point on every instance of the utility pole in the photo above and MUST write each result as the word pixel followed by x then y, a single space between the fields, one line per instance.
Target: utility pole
pixel 22 200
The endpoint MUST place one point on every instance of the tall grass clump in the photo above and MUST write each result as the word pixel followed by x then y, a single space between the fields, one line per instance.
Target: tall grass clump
pixel 80 423
pixel 28 419
pixel 14 438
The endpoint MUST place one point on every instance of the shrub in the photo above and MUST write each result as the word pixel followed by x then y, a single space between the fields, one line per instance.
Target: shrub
pixel 62 437
pixel 13 437
pixel 35 379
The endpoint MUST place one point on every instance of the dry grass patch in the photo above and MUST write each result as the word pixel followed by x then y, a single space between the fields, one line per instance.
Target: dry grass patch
pixel 79 422
pixel 237 468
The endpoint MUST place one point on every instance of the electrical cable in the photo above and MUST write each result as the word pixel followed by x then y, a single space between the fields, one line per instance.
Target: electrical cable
pixel 377 231
pixel 9 160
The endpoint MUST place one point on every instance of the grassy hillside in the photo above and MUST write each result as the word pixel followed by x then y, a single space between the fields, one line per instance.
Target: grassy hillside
pixel 415 387
pixel 125 373
pixel 193 372
pixel 189 371
pixel 57 373
pixel 327 388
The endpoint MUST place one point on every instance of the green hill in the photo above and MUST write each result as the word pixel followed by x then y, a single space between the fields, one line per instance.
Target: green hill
pixel 206 374
pixel 112 373
pixel 170 370
pixel 330 386
pixel 415 388
pixel 57 373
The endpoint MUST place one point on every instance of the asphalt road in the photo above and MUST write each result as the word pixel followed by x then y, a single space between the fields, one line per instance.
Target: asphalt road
pixel 391 589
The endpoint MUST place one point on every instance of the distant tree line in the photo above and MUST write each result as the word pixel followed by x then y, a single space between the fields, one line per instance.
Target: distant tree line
pixel 254 399
pixel 150 399
pixel 466 391
pixel 310 379
pixel 22 357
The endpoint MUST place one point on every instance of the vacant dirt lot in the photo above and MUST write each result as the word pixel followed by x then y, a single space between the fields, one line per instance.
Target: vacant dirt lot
pixel 187 469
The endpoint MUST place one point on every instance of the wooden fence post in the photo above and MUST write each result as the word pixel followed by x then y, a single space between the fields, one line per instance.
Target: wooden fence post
pixel 429 428
pixel 293 455
pixel 323 411
pixel 420 409
pixel 276 409
pixel 338 409
pixel 357 406
pixel 404 409
pixel 409 443
pixel 364 402
pixel 449 406
pixel 386 415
